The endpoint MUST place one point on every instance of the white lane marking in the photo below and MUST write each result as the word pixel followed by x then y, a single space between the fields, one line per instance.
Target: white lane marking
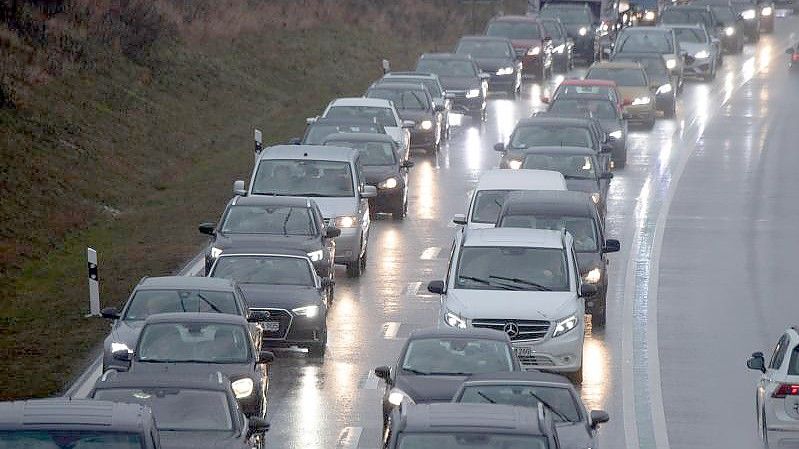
pixel 349 437
pixel 430 253
pixel 371 382
pixel 390 330
pixel 413 288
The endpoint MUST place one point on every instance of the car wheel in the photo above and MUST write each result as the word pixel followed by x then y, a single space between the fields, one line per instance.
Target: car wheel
pixel 598 315
pixel 650 123
pixel 620 160
pixel 398 209
pixel 576 377
pixel 355 268
pixel 317 350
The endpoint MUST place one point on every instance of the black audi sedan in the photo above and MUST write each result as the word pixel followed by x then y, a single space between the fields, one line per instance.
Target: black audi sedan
pixel 285 295
pixel 495 56
pixel 191 344
pixel 434 362
pixel 274 222
pixel 194 411
pixel 384 166
pixel 414 103
pixel 462 80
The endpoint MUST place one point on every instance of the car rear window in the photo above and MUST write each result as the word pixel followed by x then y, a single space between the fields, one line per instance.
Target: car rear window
pixel 73 439
pixel 793 368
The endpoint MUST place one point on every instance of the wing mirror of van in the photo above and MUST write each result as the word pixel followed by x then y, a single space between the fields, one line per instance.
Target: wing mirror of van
pixel 238 188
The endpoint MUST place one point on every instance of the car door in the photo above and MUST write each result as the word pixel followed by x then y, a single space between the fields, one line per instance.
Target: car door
pixel 770 380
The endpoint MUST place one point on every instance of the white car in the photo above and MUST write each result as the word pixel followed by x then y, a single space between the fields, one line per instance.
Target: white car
pixel 487 198
pixel 524 282
pixel 777 396
pixel 381 110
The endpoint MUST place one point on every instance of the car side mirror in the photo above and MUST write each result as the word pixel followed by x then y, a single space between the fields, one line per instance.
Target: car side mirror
pixel 611 246
pixel 122 356
pixel 439 108
pixel 499 147
pixel 407 164
pixel 256 425
pixel 207 228
pixel 757 362
pixel 436 287
pixel 598 417
pixel 408 124
pixel 369 192
pixel 688 59
pixel 327 282
pixel 266 357
pixel 110 313
pixel 606 175
pixel 383 372
pixel 484 76
pixel 545 99
pixel 238 188
pixel 256 316
pixel 311 120
pixel 459 219
pixel 332 232
pixel 587 290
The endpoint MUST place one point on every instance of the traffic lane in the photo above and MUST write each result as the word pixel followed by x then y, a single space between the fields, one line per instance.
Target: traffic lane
pixel 726 265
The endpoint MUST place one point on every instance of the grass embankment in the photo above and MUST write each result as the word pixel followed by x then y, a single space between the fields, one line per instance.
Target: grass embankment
pixel 123 123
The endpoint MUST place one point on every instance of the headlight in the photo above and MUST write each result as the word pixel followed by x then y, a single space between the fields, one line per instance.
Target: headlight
pixel 534 51
pixel 702 54
pixel 397 397
pixel 515 165
pixel 649 15
pixel 505 71
pixel 766 11
pixel 749 14
pixel 346 222
pixel 426 125
pixel 316 256
pixel 307 311
pixel 559 49
pixel 729 31
pixel 119 347
pixel 242 388
pixel 472 93
pixel 389 183
pixel 453 320
pixel 593 276
pixel 582 31
pixel 638 101
pixel 664 89
pixel 565 325
pixel 671 64
pixel 616 134
pixel 215 252
pixel 595 197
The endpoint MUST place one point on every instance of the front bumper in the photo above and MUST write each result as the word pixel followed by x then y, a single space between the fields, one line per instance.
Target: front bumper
pixel 502 82
pixel 584 47
pixel 348 245
pixel 699 68
pixel 751 27
pixel 302 332
pixel 387 199
pixel 533 64
pixel 467 105
pixel 561 354
pixel 641 113
pixel 424 138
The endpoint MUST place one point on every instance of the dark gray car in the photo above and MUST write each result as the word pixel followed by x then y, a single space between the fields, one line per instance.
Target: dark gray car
pixel 575 212
pixel 496 57
pixel 414 103
pixel 461 79
pixel 167 294
pixel 576 426
pixel 433 85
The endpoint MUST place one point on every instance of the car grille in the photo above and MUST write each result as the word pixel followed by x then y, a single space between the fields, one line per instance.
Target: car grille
pixel 281 316
pixel 528 329
pixel 536 360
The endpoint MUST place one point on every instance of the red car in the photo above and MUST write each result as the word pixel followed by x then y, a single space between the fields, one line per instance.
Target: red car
pixel 529 42
pixel 576 88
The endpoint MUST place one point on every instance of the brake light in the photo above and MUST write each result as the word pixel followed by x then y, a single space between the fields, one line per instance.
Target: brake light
pixel 795 57
pixel 786 390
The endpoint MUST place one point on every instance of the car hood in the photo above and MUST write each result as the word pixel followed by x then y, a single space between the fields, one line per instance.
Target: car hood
pixel 460 82
pixel 574 436
pixel 632 92
pixel 231 370
pixel 491 65
pixel 280 296
pixel 582 185
pixel 425 389
pixel 126 332
pixel 693 48
pixel 588 261
pixel 197 440
pixel 255 241
pixel 521 305
pixel 375 174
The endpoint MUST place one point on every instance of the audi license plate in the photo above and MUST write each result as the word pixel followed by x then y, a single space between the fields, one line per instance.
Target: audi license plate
pixel 523 351
pixel 271 326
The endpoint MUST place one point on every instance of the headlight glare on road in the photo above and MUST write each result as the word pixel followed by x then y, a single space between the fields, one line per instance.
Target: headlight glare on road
pixel 215 252
pixel 640 101
pixel 596 197
pixel 472 93
pixel 390 183
pixel 505 71
pixel 307 311
pixel 397 397
pixel 649 16
pixel 664 89
pixel 593 276
pixel 749 14
pixel 534 51
pixel 766 11
pixel 729 31
pixel 582 31
pixel 565 325
pixel 453 320
pixel 702 54
pixel 242 388
pixel 346 222
pixel 119 347
pixel 515 165
pixel 559 49
pixel 426 125
pixel 616 134
pixel 316 256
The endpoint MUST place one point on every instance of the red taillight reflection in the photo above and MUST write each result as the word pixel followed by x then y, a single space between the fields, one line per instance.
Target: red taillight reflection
pixel 786 390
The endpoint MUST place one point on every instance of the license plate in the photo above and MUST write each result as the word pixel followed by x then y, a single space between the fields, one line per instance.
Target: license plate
pixel 524 352
pixel 271 326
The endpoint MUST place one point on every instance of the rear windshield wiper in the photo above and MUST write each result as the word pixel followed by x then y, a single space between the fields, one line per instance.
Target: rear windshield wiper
pixel 210 304
pixel 549 406
pixel 522 281
pixel 486 397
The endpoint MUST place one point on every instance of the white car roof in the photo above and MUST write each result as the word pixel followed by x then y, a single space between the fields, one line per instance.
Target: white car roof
pixel 517 237
pixel 504 179
pixel 310 152
pixel 361 101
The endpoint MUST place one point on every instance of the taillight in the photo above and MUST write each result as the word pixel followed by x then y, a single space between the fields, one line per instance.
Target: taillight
pixel 786 390
pixel 795 57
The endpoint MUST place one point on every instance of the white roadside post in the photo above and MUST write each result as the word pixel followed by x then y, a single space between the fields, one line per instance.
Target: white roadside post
pixel 258 141
pixel 94 283
pixel 386 66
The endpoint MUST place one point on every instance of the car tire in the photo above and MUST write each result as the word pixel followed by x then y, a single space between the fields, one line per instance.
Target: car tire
pixel 576 377
pixel 649 124
pixel 355 268
pixel 599 315
pixel 621 161
pixel 671 110
pixel 317 350
pixel 398 209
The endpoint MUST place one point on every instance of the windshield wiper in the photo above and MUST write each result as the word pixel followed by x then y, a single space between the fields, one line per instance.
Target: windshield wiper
pixel 308 194
pixel 210 304
pixel 522 281
pixel 549 406
pixel 487 282
pixel 577 177
pixel 286 222
pixel 486 397
pixel 415 371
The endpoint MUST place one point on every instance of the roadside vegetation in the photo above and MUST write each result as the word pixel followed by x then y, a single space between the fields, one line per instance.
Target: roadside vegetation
pixel 124 122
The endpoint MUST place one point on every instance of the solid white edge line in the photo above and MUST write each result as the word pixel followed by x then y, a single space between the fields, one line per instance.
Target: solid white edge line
pixel 430 253
pixel 390 330
pixel 349 437
pixel 627 393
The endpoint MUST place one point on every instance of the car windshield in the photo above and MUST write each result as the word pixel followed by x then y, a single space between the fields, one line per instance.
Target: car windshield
pixel 549 135
pixel 641 42
pixel 177 409
pixel 264 270
pixel 685 16
pixel 431 84
pixel 484 49
pixel 655 68
pixel 552 29
pixel 601 109
pixel 280 220
pixel 383 116
pixel 460 440
pixel 724 14
pixel 582 229
pixel 487 204
pixel 571 166
pixel 402 99
pixel 194 342
pixel 150 302
pixel 511 268
pixel 303 177
pixel 447 67
pixel 514 30
pixel 317 132
pixel 577 16
pixel 461 356
pixel 558 399
pixel 372 153
pixel 570 90
pixel 690 35
pixel 68 439
pixel 622 77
